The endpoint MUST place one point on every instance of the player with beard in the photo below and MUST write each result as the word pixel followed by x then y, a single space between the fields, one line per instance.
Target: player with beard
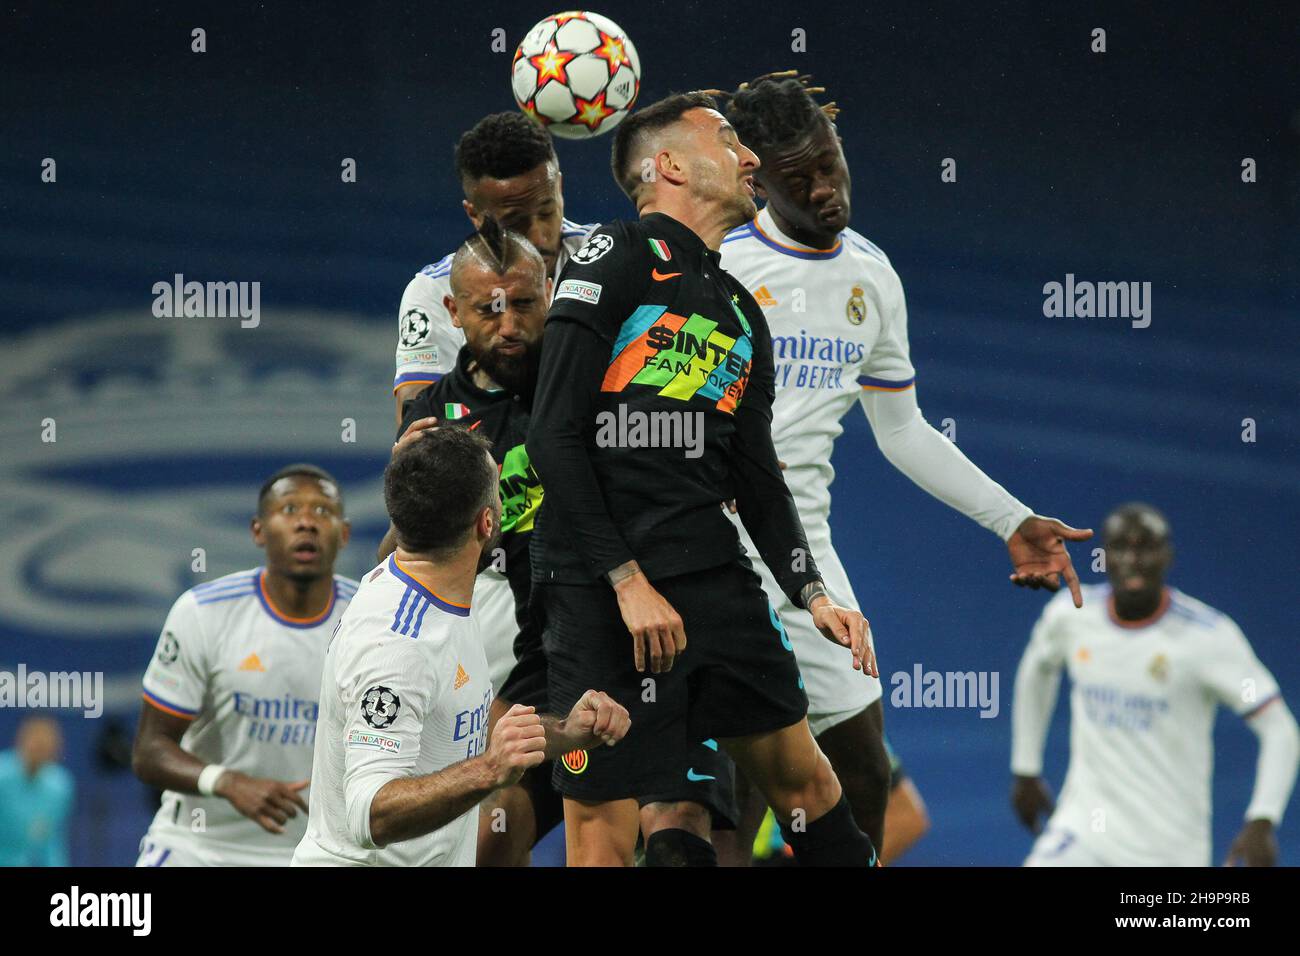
pixel 508 170
pixel 500 294
pixel 230 696
pixel 631 542
pixel 838 317
pixel 405 753
pixel 1149 667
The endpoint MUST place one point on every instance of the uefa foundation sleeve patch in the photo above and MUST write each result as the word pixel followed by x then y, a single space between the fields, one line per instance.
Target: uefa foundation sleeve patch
pixel 588 292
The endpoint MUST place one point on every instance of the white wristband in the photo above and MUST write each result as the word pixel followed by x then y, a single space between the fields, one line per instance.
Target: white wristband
pixel 208 778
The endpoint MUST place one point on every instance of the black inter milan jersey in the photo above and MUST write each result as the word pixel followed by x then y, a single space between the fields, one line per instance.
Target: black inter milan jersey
pixel 653 406
pixel 502 418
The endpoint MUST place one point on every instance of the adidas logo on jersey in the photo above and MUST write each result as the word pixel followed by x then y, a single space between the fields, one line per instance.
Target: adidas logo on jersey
pixel 252 663
pixel 764 298
pixel 461 677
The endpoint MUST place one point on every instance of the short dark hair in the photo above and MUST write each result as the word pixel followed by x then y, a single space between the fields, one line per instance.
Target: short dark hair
pixel 502 145
pixel 435 487
pixel 630 136
pixel 1140 511
pixel 298 469
pixel 777 110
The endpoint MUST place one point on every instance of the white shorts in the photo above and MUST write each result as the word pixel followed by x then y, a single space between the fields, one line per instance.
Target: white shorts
pixel 1057 846
pixel 494 610
pixel 835 690
pixel 154 853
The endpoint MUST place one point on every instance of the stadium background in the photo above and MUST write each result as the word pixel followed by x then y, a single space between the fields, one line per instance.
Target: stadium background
pixel 225 166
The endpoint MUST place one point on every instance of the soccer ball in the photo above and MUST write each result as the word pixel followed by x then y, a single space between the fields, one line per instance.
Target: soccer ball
pixel 577 74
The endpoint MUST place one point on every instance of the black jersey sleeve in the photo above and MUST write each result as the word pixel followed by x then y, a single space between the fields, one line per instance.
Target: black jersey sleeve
pixel 601 284
pixel 763 499
pixel 574 359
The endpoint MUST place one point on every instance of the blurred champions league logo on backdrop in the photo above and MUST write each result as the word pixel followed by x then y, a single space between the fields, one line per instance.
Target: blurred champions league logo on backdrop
pixel 120 431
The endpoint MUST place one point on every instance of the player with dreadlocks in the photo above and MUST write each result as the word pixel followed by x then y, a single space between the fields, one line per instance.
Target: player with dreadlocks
pixel 847 341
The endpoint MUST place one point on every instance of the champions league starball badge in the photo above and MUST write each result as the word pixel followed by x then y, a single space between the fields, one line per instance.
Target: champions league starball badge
pixel 379 706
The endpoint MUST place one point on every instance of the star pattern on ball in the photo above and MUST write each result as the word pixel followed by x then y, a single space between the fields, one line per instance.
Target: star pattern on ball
pixel 550 64
pixel 612 51
pixel 593 112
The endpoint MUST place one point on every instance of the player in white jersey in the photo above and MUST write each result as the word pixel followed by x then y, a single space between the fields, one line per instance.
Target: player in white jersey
pixel 1149 666
pixel 404 754
pixel 507 168
pixel 838 318
pixel 230 697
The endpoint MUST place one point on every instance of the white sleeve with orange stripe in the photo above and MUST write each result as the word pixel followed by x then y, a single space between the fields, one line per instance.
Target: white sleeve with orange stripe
pixel 427 341
pixel 1238 678
pixel 909 442
pixel 176 680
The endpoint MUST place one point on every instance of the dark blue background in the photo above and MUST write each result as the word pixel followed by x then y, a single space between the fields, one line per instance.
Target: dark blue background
pixel 1123 166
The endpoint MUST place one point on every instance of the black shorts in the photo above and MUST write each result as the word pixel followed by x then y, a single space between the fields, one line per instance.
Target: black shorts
pixel 737 677
pixel 527 681
pixel 548 805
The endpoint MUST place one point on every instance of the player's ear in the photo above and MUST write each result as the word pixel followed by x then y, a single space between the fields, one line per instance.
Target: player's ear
pixel 550 284
pixel 485 524
pixel 345 533
pixel 471 212
pixel 259 532
pixel 667 166
pixel 449 303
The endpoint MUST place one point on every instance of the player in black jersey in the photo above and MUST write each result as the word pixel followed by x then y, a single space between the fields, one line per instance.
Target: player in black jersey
pixel 500 291
pixel 654 405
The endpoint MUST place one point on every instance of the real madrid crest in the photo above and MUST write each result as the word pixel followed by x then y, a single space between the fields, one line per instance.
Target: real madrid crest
pixel 856 309
pixel 1159 668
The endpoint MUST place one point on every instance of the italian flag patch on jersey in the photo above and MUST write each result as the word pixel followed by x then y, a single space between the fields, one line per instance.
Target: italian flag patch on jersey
pixel 453 410
pixel 660 248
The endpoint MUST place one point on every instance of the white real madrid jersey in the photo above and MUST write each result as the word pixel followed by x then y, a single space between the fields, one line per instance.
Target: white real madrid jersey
pixel 248 677
pixel 839 325
pixel 1142 707
pixel 427 342
pixel 405 693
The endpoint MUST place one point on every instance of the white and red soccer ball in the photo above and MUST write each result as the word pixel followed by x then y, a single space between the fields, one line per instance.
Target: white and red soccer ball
pixel 577 74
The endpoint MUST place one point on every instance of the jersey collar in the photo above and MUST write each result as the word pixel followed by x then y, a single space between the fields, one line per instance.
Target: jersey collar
pixel 680 235
pixel 1157 614
pixel 765 231
pixel 303 622
pixel 395 568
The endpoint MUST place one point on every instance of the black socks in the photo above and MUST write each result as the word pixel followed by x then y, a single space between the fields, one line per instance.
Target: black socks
pixel 679 848
pixel 831 840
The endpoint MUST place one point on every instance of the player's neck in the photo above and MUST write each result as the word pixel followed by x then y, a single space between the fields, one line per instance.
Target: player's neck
pixel 295 598
pixel 1139 606
pixel 482 379
pixel 705 220
pixel 450 579
pixel 813 240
